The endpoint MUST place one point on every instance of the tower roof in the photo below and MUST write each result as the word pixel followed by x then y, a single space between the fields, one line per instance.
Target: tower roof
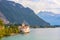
pixel 24 22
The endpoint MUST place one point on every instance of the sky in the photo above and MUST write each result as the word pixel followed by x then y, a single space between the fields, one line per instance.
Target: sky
pixel 41 5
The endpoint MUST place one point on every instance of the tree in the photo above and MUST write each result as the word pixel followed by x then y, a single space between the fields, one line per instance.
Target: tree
pixel 1 22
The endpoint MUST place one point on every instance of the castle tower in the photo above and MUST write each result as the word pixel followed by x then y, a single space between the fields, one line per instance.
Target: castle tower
pixel 24 23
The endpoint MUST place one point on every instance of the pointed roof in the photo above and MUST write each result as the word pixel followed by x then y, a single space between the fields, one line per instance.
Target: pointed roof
pixel 24 22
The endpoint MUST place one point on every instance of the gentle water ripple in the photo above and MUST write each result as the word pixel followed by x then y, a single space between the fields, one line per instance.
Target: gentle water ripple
pixel 38 34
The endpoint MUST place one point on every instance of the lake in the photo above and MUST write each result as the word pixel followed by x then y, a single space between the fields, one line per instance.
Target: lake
pixel 38 34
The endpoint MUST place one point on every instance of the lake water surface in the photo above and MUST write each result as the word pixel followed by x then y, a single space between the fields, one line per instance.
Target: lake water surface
pixel 38 34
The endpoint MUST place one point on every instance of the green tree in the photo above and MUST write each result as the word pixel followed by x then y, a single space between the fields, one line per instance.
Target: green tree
pixel 1 22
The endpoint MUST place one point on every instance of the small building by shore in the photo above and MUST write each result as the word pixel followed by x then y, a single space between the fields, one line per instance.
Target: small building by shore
pixel 24 28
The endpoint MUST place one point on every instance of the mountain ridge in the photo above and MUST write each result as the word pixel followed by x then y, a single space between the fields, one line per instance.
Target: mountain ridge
pixel 50 17
pixel 16 13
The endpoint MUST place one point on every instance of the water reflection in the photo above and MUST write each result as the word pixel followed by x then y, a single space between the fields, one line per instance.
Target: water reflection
pixel 38 34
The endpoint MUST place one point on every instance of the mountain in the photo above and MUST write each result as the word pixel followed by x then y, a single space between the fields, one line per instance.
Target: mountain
pixel 16 13
pixel 3 18
pixel 52 18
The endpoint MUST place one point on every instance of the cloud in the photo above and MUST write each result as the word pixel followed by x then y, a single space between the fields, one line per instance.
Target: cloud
pixel 41 5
